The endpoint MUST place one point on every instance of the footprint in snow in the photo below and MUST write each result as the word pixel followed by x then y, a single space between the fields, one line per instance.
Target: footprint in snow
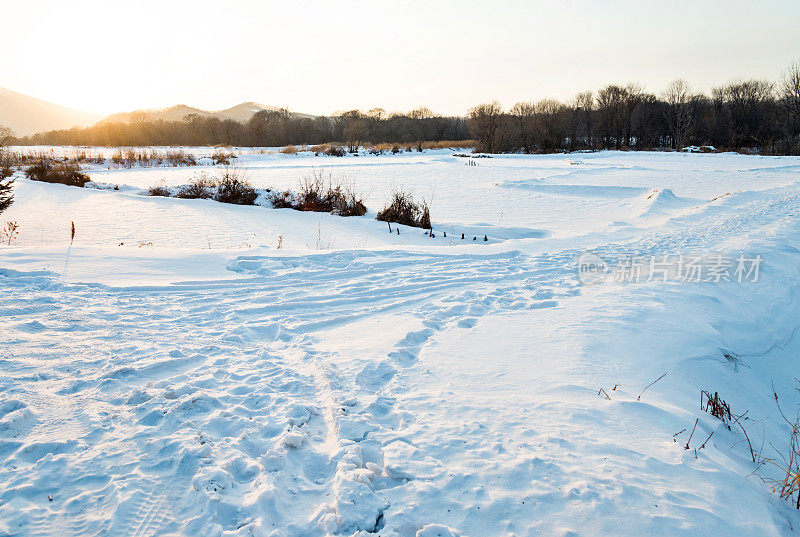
pixel 376 376
pixel 469 322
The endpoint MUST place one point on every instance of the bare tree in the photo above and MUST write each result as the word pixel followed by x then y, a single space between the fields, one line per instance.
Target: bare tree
pixel 790 99
pixel 194 122
pixel 633 98
pixel 678 111
pixel 523 114
pixel 748 103
pixel 583 107
pixel 611 110
pixel 6 135
pixel 422 124
pixel 549 125
pixel 354 127
pixel 484 122
pixel 422 113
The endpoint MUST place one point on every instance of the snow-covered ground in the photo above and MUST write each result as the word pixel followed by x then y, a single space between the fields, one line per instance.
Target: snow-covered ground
pixel 175 372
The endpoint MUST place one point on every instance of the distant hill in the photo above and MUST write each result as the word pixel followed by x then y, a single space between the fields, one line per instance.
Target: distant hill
pixel 27 115
pixel 241 113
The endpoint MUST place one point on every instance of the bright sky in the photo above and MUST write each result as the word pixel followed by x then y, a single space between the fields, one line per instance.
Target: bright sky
pixel 318 56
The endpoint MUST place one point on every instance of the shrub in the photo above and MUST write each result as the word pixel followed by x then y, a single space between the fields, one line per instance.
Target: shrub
pixel 403 210
pixel 321 193
pixel 199 188
pixel 290 150
pixel 234 188
pixel 159 190
pixel 179 157
pixel 221 157
pixel 65 173
pixel 311 196
pixel 283 200
pixel 94 158
pixel 346 203
pixel 335 151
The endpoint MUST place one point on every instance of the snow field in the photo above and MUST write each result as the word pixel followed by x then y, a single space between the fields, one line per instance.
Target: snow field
pixel 186 383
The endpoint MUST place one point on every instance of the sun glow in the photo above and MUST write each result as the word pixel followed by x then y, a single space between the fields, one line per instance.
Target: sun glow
pixel 318 57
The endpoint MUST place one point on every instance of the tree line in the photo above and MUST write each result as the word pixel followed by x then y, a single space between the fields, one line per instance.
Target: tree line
pixel 746 115
pixel 266 128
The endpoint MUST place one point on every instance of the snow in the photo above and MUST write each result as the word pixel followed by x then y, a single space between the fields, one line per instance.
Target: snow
pixel 175 372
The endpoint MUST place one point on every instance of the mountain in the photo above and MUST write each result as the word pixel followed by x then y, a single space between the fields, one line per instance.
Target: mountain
pixel 241 113
pixel 27 115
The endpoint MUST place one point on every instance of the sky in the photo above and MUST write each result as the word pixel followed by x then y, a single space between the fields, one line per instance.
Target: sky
pixel 318 57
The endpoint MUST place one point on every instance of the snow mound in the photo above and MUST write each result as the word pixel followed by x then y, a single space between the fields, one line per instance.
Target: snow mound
pixel 15 419
pixel 436 530
pixel 662 202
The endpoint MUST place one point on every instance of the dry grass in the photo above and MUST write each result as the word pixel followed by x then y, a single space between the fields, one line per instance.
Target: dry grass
pixel 290 150
pixel 89 157
pixel 450 144
pixel 421 145
pixel 222 157
pixel 9 233
pixel 317 149
pixel 716 406
pixel 787 485
pixel 128 157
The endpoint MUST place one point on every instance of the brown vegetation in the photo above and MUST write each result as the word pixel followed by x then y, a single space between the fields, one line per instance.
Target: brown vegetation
pixel 321 192
pixel 65 173
pixel 402 209
pixel 233 187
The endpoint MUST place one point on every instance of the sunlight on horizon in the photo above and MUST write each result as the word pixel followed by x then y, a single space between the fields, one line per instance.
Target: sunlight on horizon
pixel 318 57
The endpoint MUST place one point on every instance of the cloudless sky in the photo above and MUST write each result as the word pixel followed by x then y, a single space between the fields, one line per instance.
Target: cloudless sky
pixel 318 56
